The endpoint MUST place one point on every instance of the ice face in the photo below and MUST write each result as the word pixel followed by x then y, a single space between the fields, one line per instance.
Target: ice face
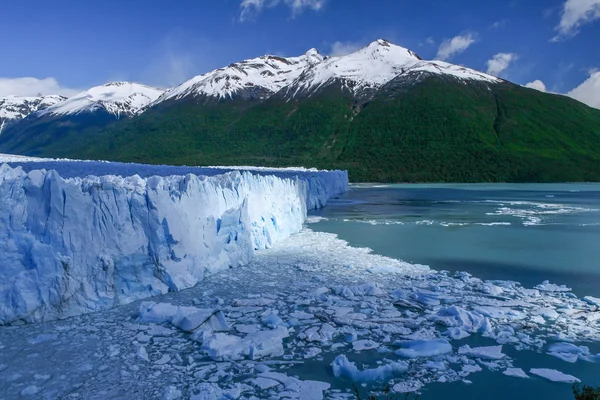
pixel 75 245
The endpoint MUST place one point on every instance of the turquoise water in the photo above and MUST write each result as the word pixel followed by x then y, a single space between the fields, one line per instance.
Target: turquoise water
pixel 525 233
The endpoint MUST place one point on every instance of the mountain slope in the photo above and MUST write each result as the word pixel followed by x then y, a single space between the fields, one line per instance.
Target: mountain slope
pixel 382 113
pixel 257 78
pixel 85 113
pixel 115 98
pixel 15 108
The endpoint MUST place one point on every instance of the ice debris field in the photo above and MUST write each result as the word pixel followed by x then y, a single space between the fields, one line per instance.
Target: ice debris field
pixel 302 316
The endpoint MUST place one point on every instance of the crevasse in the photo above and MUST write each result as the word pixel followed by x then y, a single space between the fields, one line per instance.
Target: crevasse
pixel 74 245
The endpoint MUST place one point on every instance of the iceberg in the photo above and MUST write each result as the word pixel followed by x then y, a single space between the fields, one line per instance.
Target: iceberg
pixel 424 348
pixel 554 375
pixel 342 367
pixel 100 234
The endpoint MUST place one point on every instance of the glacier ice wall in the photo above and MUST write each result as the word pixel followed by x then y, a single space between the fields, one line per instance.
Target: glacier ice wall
pixel 75 245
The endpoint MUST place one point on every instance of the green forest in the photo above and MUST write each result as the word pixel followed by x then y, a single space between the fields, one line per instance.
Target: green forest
pixel 440 129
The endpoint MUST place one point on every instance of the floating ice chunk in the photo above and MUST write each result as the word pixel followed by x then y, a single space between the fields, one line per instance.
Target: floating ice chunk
pixel 30 390
pixel 44 337
pixel 187 319
pixel 342 367
pixel 150 311
pixel 312 352
pixel 295 388
pixel 323 333
pixel 424 348
pixel 264 383
pixel 546 286
pixel 456 333
pixel 172 393
pixel 568 352
pixel 469 321
pixel 516 372
pixel 273 321
pixel 200 336
pixel 470 369
pixel 436 365
pixel 213 391
pixel 249 328
pixel 142 353
pixel 366 289
pixel 163 360
pixel 407 387
pixel 537 319
pixel 592 300
pixel 485 352
pixel 364 344
pixel 427 298
pixel 548 312
pixel 301 315
pixel 157 330
pixel 554 375
pixel 223 347
pixel 491 289
pixel 210 320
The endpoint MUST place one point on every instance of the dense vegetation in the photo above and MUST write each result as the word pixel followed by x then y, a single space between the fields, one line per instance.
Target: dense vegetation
pixel 436 130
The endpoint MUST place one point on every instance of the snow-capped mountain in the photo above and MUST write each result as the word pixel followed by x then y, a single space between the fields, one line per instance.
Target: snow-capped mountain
pixel 255 78
pixel 116 98
pixel 15 108
pixel 373 66
pixel 363 71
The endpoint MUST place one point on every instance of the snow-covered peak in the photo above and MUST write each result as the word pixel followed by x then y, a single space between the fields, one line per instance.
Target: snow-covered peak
pixel 373 66
pixel 117 98
pixel 265 75
pixel 15 108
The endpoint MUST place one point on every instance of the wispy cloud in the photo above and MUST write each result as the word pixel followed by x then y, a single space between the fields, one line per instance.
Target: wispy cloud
pixel 343 48
pixel 576 13
pixel 500 62
pixel 29 86
pixel 430 41
pixel 456 45
pixel 251 8
pixel 180 55
pixel 588 91
pixel 499 24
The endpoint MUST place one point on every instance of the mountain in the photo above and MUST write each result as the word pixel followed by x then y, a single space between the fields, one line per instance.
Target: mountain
pixel 115 98
pixel 257 78
pixel 88 111
pixel 369 68
pixel 15 108
pixel 382 113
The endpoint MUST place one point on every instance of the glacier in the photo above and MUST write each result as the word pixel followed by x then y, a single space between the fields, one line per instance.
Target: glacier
pixel 77 237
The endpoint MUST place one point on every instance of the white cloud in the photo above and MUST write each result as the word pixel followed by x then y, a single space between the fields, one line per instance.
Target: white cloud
pixel 344 48
pixel 499 24
pixel 589 91
pixel 33 86
pixel 251 8
pixel 537 85
pixel 456 45
pixel 500 62
pixel 576 13
pixel 430 41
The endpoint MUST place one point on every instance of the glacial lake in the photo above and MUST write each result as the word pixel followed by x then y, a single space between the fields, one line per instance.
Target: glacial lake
pixel 527 233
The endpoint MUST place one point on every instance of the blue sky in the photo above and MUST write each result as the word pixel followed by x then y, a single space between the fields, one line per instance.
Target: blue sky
pixel 66 45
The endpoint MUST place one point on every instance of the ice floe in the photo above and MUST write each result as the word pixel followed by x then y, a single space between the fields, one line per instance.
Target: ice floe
pixel 554 375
